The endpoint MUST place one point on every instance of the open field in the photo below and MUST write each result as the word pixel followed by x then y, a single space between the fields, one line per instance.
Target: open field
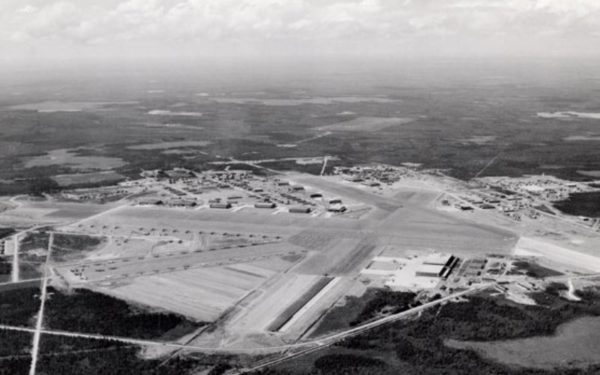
pixel 90 178
pixel 298 101
pixel 366 124
pixel 31 213
pixel 63 106
pixel 202 294
pixel 70 158
pixel 168 145
pixel 573 345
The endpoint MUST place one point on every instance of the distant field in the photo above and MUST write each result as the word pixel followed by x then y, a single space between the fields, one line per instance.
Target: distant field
pixel 70 159
pixel 167 145
pixel 369 124
pixel 595 174
pixel 575 344
pixel 300 101
pixel 91 178
pixel 62 106
pixel 569 115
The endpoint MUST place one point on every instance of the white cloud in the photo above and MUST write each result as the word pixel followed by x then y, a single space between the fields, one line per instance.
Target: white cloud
pixel 258 23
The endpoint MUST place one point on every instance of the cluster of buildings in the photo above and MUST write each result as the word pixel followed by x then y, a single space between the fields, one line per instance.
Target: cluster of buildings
pixel 230 189
pixel 374 175
pixel 412 272
pixel 542 187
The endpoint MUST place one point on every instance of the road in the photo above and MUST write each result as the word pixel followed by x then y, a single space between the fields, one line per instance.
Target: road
pixel 40 317
pixel 15 267
pixel 572 277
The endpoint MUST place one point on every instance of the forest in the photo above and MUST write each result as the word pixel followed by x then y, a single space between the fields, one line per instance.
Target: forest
pixel 417 346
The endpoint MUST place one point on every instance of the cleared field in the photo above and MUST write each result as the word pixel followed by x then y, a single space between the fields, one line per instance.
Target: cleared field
pixel 35 212
pixel 366 124
pixel 202 294
pixel 167 145
pixel 71 159
pixel 575 344
pixel 300 101
pixel 87 178
pixel 50 106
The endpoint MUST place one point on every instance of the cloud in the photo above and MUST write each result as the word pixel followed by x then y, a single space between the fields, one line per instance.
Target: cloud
pixel 263 24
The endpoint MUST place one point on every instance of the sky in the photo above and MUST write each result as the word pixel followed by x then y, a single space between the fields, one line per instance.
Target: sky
pixel 39 30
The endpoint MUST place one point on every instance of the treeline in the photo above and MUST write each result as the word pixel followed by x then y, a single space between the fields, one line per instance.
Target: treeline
pixel 387 302
pixel 72 245
pixel 87 311
pixel 357 310
pixel 5 267
pixel 5 232
pixel 18 306
pixel 70 356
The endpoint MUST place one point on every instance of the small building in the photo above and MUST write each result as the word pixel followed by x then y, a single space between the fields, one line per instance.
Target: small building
pixel 265 205
pixel 429 270
pixel 181 203
pixel 438 259
pixel 150 201
pixel 300 210
pixel 225 205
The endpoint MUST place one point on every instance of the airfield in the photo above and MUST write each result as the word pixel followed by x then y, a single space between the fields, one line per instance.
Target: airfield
pixel 204 247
